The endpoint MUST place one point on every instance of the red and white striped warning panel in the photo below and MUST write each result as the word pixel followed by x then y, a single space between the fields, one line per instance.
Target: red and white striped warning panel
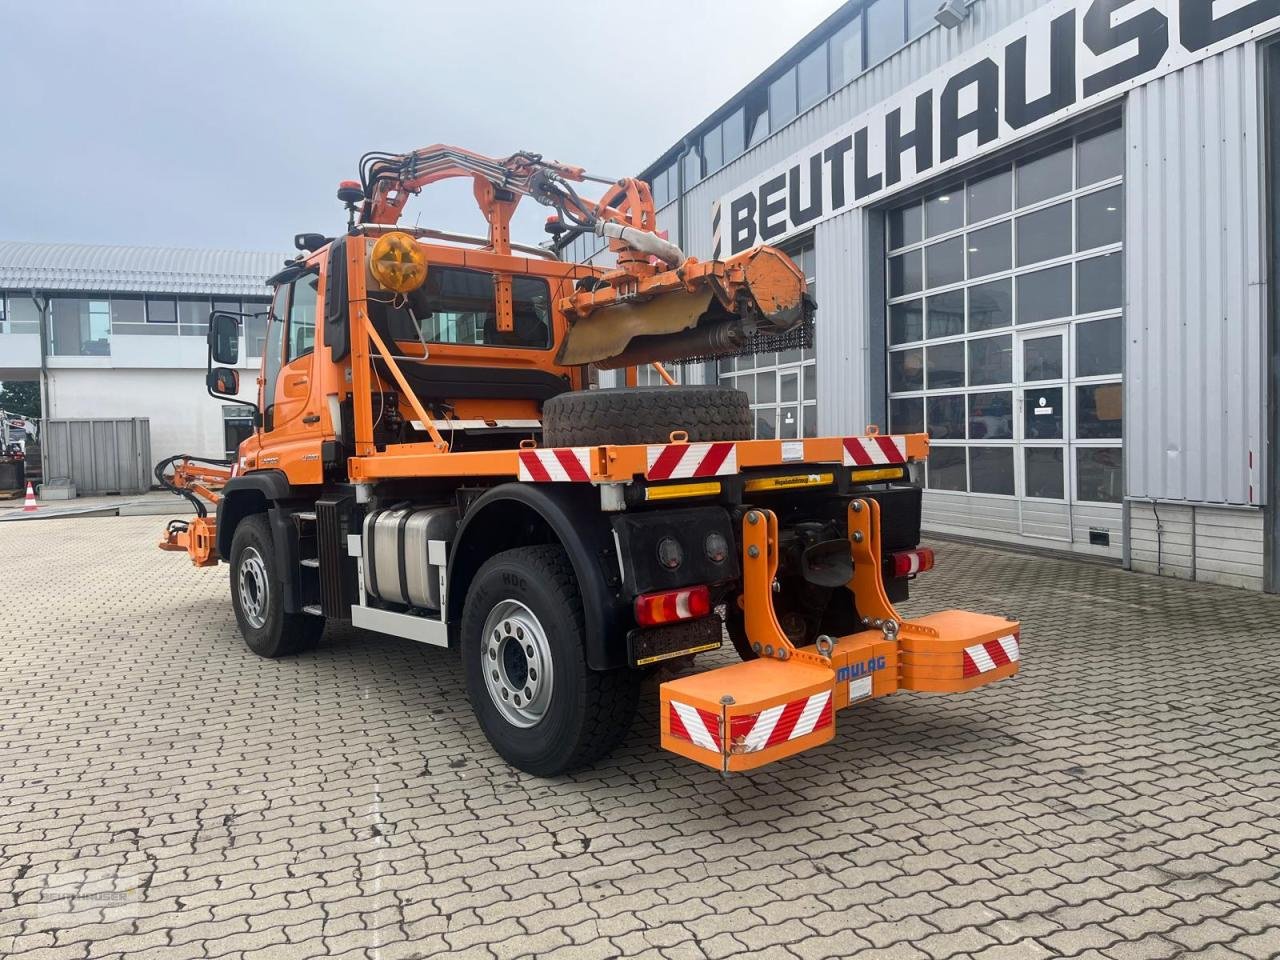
pixel 561 465
pixel 757 731
pixel 684 461
pixel 874 451
pixel 985 657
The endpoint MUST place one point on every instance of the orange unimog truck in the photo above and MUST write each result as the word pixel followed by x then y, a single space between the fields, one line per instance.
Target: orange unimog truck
pixel 433 461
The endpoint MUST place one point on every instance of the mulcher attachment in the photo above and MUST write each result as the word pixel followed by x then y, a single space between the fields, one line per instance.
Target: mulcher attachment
pixel 748 714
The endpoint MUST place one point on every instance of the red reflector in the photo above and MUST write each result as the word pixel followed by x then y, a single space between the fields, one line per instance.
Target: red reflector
pixel 669 606
pixel 908 562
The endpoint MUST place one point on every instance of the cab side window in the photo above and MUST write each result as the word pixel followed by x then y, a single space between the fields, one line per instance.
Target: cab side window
pixel 273 355
pixel 302 316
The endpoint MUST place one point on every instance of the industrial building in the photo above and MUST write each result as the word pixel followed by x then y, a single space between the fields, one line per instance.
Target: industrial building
pixel 1041 232
pixel 119 332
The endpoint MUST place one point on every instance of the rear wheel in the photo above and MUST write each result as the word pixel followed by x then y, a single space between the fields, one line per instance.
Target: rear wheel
pixel 543 709
pixel 257 595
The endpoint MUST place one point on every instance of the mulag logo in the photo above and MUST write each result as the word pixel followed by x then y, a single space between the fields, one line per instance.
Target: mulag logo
pixel 1068 56
pixel 855 670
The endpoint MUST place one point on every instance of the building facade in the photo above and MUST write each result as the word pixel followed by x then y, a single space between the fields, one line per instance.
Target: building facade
pixel 119 332
pixel 1040 232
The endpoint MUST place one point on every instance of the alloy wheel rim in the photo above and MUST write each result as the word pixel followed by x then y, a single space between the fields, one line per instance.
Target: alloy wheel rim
pixel 253 588
pixel 515 659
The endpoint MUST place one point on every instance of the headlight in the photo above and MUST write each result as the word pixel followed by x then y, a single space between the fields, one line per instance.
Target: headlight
pixel 398 263
pixel 670 553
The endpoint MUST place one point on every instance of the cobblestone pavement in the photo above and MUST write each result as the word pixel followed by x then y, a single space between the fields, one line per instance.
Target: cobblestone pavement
pixel 163 793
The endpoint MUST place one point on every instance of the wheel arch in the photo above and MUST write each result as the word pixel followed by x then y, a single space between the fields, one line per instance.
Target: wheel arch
pixel 521 514
pixel 262 492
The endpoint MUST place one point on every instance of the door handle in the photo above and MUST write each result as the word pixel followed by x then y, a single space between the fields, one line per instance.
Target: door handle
pixel 298 380
pixel 311 418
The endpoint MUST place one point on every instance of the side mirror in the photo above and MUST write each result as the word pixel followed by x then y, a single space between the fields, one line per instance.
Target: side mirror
pixel 223 382
pixel 224 337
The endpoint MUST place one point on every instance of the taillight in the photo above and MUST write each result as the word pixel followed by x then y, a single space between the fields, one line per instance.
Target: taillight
pixel 908 562
pixel 669 606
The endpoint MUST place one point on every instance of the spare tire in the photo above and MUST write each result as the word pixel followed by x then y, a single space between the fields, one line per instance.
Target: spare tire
pixel 621 415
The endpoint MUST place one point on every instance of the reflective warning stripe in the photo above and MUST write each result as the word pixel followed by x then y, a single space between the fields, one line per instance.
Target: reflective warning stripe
pixel 874 451
pixel 786 721
pixel 985 657
pixel 684 461
pixel 561 465
pixel 699 727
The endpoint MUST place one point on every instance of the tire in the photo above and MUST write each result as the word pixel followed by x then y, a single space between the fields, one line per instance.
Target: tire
pixel 257 594
pixel 590 418
pixel 529 598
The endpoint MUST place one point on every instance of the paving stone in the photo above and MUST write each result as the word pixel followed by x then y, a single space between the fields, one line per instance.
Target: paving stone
pixel 343 803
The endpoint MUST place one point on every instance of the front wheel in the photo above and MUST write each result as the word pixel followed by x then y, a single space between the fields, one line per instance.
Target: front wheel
pixel 257 595
pixel 539 704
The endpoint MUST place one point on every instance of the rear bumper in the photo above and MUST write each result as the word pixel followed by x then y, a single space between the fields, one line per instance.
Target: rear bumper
pixel 749 714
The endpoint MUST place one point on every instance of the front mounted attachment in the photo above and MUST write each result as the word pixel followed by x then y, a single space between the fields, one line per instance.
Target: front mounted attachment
pixel 783 702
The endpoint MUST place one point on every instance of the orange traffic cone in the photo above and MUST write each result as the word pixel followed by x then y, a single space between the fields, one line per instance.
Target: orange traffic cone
pixel 29 504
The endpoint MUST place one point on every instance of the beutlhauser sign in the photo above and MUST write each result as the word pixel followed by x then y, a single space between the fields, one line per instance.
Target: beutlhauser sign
pixel 1067 57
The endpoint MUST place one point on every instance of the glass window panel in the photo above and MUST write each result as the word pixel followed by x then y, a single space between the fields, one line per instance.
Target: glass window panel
pixel 1099 218
pixel 991 416
pixel 713 148
pixel 989 249
pixel 97 340
pixel 302 317
pixel 790 387
pixel 789 356
pixel 692 168
pixel 1042 413
pixel 886 29
pixel 1042 358
pixel 944 262
pixel 255 331
pixel 747 385
pixel 1098 283
pixel 1100 347
pixel 906 370
pixel 945 314
pixel 759 127
pixel 811 381
pixel 1045 177
pixel 1045 294
pixel 946 416
pixel 846 53
pixel 161 311
pixel 991 470
pixel 906 322
pixel 906 415
pixel 766 423
pixel 1099 474
pixel 767 387
pixel 944 212
pixel 991 305
pixel 1099 411
pixel 1100 158
pixel 905 274
pixel 733 136
pixel 789 423
pixel 1044 474
pixel 725 367
pixel 905 226
pixel 947 468
pixel 1045 234
pixel 190 311
pixel 782 100
pixel 991 360
pixel 810 421
pixel 945 363
pixel 811 77
pixel 747 362
pixel 131 310
pixel 991 196
pixel 24 315
pixel 920 17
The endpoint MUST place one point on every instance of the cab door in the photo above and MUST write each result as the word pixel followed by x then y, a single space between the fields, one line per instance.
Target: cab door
pixel 291 429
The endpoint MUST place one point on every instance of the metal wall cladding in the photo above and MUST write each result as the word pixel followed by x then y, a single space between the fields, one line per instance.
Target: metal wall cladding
pixel 1196 275
pixel 913 62
pixel 100 456
pixel 841 330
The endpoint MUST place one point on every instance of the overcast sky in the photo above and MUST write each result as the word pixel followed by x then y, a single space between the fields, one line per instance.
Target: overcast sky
pixel 230 124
